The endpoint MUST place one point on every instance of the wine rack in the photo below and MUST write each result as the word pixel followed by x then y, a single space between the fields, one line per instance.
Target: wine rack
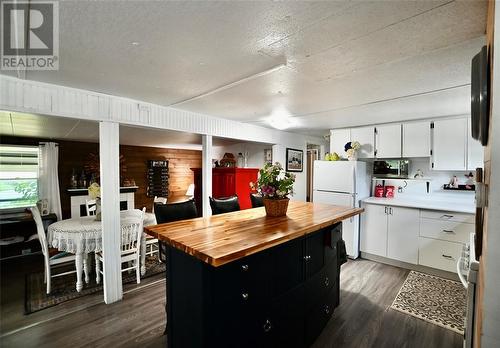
pixel 157 178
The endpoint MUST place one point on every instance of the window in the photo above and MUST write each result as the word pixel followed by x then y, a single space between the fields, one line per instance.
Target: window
pixel 18 176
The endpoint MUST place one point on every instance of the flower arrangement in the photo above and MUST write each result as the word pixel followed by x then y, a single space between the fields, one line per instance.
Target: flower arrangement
pixel 274 182
pixel 351 149
pixel 94 191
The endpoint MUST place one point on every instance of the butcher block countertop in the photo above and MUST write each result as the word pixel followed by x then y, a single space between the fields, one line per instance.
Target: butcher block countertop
pixel 224 238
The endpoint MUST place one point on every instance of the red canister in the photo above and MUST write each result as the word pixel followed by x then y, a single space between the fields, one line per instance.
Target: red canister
pixel 379 191
pixel 389 191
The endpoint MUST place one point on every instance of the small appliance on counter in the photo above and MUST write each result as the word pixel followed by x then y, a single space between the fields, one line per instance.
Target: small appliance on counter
pixel 391 169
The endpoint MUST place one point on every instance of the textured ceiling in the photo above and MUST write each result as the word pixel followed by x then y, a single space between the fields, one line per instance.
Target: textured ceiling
pixel 342 57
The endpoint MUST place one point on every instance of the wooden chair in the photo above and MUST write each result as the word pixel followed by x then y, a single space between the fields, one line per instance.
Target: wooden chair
pixel 91 207
pixel 152 246
pixel 131 247
pixel 52 257
pixel 224 205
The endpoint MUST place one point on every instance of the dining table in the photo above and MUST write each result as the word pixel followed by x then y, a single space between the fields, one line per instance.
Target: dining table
pixel 83 235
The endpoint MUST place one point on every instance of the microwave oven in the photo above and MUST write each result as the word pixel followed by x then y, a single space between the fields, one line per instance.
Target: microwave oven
pixel 391 169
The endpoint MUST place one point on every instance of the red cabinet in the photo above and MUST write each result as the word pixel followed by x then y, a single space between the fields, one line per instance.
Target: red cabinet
pixel 228 182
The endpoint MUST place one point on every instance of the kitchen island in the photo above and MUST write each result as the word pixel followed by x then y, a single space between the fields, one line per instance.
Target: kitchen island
pixel 243 279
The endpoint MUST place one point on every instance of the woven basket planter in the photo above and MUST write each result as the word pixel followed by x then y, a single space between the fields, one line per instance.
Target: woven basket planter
pixel 276 207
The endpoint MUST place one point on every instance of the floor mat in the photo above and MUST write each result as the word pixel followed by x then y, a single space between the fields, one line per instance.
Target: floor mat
pixel 434 299
pixel 63 288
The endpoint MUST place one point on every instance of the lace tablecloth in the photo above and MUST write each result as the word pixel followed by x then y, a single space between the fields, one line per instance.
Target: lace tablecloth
pixel 84 234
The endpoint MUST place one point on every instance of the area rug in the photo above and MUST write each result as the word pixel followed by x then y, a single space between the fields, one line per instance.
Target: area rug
pixel 63 288
pixel 434 299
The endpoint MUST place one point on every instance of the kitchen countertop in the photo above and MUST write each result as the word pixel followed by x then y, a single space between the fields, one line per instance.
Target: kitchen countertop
pixel 430 203
pixel 224 238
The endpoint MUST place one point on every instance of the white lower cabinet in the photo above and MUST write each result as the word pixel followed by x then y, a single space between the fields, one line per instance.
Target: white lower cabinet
pixel 418 236
pixel 402 234
pixel 390 232
pixel 373 234
pixel 439 254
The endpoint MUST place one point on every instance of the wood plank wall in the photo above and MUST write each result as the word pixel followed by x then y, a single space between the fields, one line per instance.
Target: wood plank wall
pixel 73 154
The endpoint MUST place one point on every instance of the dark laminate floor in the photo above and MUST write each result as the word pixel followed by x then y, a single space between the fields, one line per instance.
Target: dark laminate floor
pixel 362 320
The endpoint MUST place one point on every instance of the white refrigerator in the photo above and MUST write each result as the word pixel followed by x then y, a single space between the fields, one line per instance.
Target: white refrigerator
pixel 343 183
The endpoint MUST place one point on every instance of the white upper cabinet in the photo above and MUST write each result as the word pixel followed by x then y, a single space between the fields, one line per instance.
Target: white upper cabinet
pixel 338 138
pixel 366 137
pixel 475 151
pixel 417 139
pixel 388 141
pixel 450 144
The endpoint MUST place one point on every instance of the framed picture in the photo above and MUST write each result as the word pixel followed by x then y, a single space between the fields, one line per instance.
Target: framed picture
pixel 294 160
pixel 268 156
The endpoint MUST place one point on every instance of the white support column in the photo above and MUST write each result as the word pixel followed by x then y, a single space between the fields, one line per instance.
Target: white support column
pixel 206 173
pixel 110 206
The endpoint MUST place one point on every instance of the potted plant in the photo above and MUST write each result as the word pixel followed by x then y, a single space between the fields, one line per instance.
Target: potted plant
pixel 275 184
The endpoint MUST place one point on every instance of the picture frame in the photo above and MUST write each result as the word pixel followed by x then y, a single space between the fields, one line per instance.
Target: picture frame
pixel 294 160
pixel 268 156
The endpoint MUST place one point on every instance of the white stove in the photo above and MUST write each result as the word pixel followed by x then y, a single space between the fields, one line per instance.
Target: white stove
pixel 467 270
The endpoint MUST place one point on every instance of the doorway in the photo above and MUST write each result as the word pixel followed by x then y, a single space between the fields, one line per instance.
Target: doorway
pixel 312 155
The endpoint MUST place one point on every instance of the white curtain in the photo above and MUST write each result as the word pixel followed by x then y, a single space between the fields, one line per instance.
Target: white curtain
pixel 48 178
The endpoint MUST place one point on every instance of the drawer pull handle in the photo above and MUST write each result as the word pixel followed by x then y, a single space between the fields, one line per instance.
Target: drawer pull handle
pixel 447 256
pixel 244 267
pixel 449 231
pixel 446 216
pixel 267 326
pixel 327 281
pixel 327 309
pixel 245 296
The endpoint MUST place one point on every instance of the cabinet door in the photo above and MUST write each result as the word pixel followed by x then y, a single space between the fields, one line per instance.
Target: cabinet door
pixel 388 141
pixel 286 320
pixel 475 151
pixel 315 253
pixel 373 237
pixel 450 144
pixel 402 234
pixel 338 139
pixel 366 137
pixel 417 139
pixel 287 266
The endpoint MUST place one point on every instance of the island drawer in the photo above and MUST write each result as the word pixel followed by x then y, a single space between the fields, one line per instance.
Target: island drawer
pixel 318 286
pixel 439 254
pixel 317 317
pixel 451 231
pixel 447 216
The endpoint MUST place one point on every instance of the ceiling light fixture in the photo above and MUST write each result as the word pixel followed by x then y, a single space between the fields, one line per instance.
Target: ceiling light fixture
pixel 281 119
pixel 134 43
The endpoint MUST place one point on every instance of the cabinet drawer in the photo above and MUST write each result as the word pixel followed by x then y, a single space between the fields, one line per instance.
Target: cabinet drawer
pixel 447 216
pixel 439 254
pixel 451 231
pixel 318 286
pixel 317 318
